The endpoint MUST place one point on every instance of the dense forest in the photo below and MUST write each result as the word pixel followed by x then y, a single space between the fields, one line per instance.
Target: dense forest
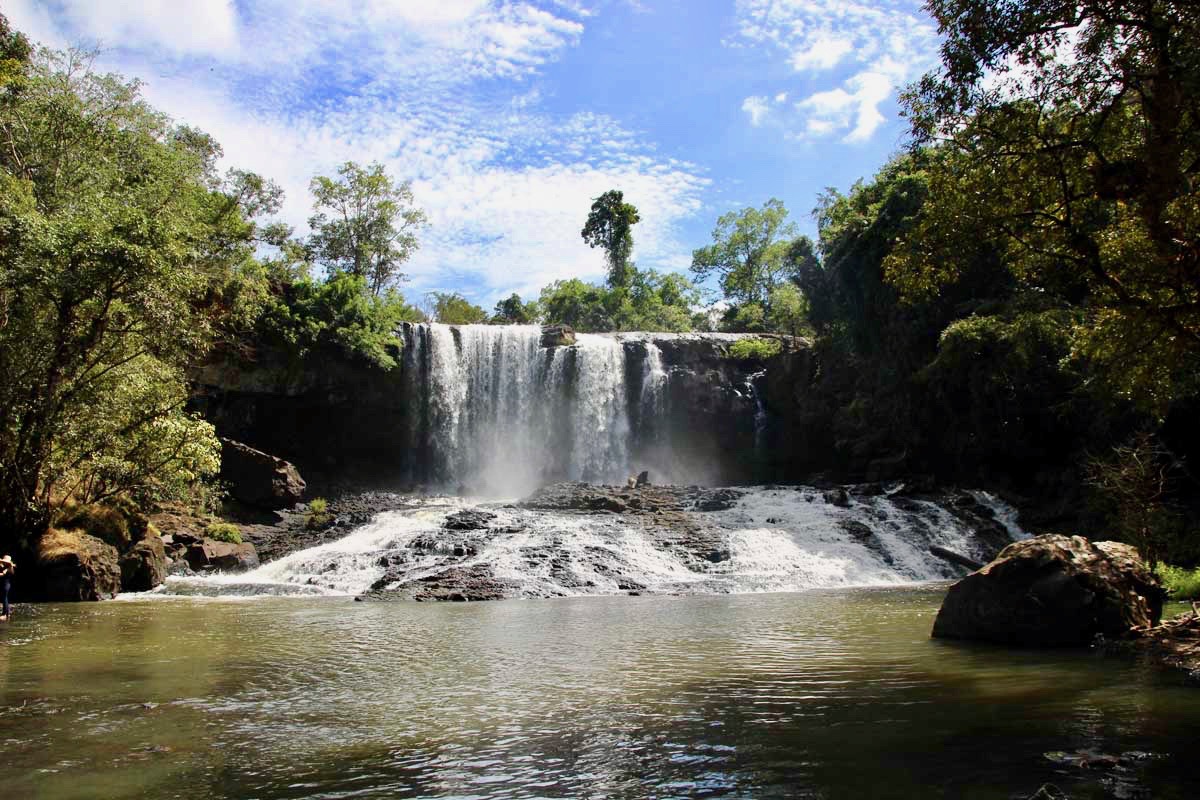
pixel 1014 299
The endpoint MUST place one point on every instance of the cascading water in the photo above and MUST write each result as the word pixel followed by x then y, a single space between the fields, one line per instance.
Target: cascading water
pixel 768 539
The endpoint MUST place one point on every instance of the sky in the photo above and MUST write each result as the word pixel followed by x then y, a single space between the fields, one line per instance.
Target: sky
pixel 510 116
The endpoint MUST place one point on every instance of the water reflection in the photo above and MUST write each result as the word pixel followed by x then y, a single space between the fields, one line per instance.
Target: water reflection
pixel 821 694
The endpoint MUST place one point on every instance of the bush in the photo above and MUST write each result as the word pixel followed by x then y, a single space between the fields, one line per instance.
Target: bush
pixel 318 514
pixel 224 532
pixel 1181 583
pixel 755 349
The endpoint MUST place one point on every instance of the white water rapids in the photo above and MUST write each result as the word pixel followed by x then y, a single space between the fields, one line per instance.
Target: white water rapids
pixel 772 539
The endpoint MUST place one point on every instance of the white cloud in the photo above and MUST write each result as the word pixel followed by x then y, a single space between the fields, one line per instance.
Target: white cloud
pixel 757 108
pixel 196 27
pixel 824 52
pixel 300 86
pixel 882 45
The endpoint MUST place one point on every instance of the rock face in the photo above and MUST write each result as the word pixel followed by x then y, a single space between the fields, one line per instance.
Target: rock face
pixel 74 566
pixel 557 336
pixel 1052 591
pixel 209 554
pixel 333 414
pixel 259 479
pixel 144 565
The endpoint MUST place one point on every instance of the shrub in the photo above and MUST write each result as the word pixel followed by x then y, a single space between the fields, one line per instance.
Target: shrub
pixel 318 514
pixel 1181 583
pixel 755 349
pixel 224 532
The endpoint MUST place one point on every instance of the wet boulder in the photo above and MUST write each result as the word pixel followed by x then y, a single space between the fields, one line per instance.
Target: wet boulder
pixel 210 554
pixel 558 336
pixel 144 565
pixel 77 566
pixel 259 479
pixel 469 519
pixel 1053 591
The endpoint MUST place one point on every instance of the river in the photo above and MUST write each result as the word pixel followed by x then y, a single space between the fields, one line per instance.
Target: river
pixel 828 693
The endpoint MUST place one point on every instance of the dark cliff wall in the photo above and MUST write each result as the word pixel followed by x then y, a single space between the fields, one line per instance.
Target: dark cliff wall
pixel 333 415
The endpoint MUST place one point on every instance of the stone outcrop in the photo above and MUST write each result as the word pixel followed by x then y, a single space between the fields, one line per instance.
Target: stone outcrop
pixel 209 554
pixel 259 479
pixel 75 566
pixel 557 336
pixel 1053 591
pixel 144 565
pixel 332 413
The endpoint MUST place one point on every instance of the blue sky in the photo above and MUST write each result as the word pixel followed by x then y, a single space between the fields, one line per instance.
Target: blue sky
pixel 509 116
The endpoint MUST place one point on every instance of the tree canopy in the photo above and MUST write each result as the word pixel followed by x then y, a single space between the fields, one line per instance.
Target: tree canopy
pixel 1068 136
pixel 365 224
pixel 122 255
pixel 747 253
pixel 609 226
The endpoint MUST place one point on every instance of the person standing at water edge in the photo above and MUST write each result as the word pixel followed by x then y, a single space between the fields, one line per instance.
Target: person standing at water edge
pixel 7 568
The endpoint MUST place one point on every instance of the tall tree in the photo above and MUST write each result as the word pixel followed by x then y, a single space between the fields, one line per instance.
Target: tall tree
pixel 366 224
pixel 609 226
pixel 1069 136
pixel 748 252
pixel 118 246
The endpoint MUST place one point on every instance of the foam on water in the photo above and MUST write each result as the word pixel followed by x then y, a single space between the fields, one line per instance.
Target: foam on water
pixel 773 539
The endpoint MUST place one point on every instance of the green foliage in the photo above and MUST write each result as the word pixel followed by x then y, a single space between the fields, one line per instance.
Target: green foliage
pixel 512 311
pixel 365 224
pixel 788 310
pixel 755 349
pixel 1079 171
pixel 224 532
pixel 652 301
pixel 1180 583
pixel 318 514
pixel 744 318
pixel 121 248
pixel 451 308
pixel 748 252
pixel 307 316
pixel 609 226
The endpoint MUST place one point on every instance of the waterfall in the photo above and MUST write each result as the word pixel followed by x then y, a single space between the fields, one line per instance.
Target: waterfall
pixel 505 414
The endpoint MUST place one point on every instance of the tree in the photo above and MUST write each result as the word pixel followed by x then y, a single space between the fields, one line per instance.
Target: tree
pixel 120 248
pixel 609 227
pixel 788 310
pixel 512 311
pixel 747 253
pixel 451 308
pixel 1068 136
pixel 365 224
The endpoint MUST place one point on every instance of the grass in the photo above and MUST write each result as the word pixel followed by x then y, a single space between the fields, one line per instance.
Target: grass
pixel 1181 583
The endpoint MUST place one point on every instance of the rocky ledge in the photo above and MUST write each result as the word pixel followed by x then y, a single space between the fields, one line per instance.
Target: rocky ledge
pixel 577 538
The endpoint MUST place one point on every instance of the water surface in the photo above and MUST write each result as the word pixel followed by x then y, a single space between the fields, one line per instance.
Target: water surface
pixel 830 694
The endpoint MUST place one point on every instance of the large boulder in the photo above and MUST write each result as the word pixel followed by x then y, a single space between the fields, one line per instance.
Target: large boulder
pixel 1053 591
pixel 558 336
pixel 144 565
pixel 259 479
pixel 210 554
pixel 76 566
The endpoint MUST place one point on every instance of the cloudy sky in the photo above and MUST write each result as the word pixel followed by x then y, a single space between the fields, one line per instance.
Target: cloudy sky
pixel 509 116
